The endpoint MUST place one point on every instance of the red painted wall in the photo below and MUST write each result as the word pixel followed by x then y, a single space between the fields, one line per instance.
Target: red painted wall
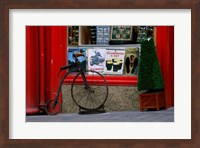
pixel 45 54
pixel 165 51
pixel 32 70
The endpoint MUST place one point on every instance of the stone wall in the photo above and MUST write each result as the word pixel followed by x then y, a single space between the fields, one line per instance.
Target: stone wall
pixel 120 98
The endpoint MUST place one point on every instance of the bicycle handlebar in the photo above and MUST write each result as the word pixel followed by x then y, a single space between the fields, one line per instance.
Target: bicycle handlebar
pixel 63 67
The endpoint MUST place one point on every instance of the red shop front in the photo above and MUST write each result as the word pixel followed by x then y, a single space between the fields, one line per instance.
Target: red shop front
pixel 46 52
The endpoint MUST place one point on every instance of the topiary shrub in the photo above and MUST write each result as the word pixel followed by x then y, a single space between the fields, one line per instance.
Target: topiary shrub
pixel 149 74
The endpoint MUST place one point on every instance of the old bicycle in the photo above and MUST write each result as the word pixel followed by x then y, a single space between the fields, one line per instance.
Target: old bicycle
pixel 89 89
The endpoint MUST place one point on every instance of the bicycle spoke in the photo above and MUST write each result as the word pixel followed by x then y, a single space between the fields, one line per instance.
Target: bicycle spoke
pixel 97 101
pixel 91 102
pixel 87 98
pixel 94 98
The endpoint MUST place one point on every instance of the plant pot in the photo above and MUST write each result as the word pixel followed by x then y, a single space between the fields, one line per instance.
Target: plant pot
pixel 152 100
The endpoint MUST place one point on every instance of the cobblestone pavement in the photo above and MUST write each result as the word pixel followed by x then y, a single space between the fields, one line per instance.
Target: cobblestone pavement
pixel 125 116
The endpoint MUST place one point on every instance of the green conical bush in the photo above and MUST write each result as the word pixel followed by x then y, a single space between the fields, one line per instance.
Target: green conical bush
pixel 149 75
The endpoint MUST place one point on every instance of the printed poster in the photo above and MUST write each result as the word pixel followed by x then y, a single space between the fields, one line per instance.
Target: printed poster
pixel 82 59
pixel 131 61
pixel 96 59
pixel 114 61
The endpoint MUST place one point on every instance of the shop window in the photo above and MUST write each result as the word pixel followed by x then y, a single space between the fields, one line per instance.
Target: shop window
pixel 111 50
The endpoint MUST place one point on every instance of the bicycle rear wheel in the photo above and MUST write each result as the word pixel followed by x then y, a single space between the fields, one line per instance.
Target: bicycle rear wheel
pixel 93 97
pixel 49 107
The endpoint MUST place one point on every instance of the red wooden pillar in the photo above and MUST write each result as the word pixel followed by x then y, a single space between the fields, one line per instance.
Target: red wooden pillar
pixel 45 54
pixel 165 51
pixel 32 70
pixel 42 66
pixel 58 57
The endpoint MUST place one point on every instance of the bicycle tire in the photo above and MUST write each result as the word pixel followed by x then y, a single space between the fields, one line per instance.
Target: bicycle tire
pixel 92 98
pixel 49 110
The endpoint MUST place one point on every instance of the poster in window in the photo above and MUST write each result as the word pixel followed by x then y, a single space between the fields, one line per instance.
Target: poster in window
pixel 96 59
pixel 131 61
pixel 82 59
pixel 114 61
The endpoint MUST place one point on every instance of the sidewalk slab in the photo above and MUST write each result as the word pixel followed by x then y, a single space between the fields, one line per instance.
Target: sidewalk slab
pixel 123 116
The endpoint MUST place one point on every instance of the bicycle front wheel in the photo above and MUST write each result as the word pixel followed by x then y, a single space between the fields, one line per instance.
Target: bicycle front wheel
pixel 92 94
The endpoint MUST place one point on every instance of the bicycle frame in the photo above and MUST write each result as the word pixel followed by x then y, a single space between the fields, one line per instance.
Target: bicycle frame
pixel 77 69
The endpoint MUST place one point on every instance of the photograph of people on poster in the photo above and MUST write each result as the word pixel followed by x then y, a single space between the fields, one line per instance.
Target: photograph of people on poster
pixel 114 61
pixel 96 59
pixel 131 61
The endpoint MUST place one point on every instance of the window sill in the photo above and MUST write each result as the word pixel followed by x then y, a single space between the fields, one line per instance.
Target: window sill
pixel 112 80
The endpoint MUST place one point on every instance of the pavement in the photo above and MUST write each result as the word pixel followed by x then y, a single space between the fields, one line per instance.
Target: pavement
pixel 122 116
